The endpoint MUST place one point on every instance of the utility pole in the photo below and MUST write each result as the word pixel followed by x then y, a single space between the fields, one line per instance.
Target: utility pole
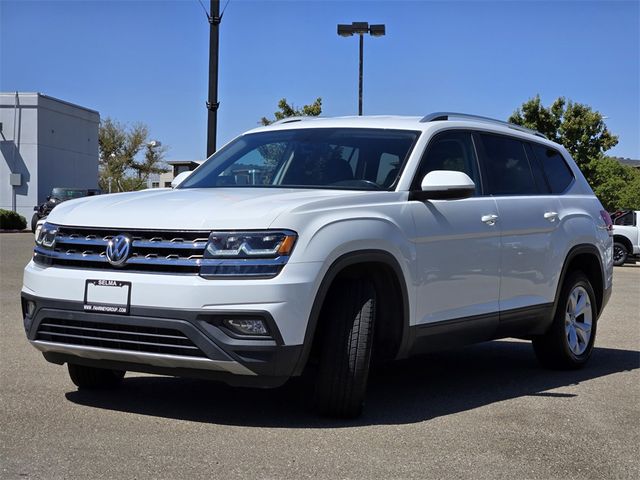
pixel 360 75
pixel 212 102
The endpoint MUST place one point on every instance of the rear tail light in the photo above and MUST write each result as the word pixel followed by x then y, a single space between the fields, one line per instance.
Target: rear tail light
pixel 607 220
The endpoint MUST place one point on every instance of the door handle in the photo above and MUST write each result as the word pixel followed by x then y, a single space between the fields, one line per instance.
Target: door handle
pixel 551 216
pixel 489 219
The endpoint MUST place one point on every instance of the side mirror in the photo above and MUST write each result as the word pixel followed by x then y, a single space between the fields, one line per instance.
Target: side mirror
pixel 181 177
pixel 445 185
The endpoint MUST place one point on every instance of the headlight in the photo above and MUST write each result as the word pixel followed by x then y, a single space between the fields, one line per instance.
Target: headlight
pixel 46 235
pixel 266 244
pixel 38 230
pixel 257 254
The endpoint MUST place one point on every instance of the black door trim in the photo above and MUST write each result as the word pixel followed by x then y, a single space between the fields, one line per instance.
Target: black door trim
pixel 517 322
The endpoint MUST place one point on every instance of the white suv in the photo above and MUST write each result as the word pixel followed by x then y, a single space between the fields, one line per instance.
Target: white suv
pixel 332 243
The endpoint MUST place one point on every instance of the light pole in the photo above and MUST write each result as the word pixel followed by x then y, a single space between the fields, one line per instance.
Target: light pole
pixel 112 157
pixel 212 102
pixel 361 29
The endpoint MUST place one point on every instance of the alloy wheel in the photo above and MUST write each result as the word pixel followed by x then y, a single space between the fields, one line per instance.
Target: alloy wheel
pixel 578 320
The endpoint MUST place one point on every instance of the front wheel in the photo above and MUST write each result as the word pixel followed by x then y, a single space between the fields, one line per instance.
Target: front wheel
pixel 94 378
pixel 569 341
pixel 346 349
pixel 620 254
pixel 34 222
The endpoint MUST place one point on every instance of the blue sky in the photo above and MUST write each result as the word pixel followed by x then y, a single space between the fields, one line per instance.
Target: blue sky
pixel 147 60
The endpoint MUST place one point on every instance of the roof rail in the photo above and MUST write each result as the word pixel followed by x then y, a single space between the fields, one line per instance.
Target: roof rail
pixel 436 116
pixel 290 120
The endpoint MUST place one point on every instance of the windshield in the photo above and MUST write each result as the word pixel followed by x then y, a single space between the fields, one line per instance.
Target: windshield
pixel 67 193
pixel 348 158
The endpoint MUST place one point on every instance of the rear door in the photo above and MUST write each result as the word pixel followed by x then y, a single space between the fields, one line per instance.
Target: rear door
pixel 530 218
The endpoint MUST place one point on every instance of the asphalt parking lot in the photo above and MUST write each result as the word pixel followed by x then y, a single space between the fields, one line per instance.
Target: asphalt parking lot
pixel 487 411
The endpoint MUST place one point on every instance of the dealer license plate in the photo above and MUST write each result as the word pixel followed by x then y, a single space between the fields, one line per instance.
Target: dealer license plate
pixel 107 296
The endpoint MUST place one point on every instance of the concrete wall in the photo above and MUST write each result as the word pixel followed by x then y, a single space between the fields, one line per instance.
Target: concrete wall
pixel 54 144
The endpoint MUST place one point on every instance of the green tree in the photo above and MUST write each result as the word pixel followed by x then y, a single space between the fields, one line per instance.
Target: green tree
pixel 582 131
pixel 576 126
pixel 119 144
pixel 616 185
pixel 286 110
pixel 274 151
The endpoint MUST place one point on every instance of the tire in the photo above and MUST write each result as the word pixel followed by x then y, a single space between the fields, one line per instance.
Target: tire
pixel 620 254
pixel 564 346
pixel 94 378
pixel 34 222
pixel 346 349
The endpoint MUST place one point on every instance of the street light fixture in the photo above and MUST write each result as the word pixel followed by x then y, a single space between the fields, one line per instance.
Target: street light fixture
pixel 361 29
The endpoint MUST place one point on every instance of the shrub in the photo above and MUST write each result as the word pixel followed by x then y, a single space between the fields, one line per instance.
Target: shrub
pixel 11 220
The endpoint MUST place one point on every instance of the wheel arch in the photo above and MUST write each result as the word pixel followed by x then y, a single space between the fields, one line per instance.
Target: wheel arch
pixel 625 241
pixel 370 258
pixel 586 258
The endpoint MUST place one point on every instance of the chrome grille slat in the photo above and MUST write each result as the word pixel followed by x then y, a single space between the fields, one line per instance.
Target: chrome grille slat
pixel 81 241
pixel 118 336
pixel 69 240
pixel 182 261
pixel 117 340
pixel 170 245
pixel 120 332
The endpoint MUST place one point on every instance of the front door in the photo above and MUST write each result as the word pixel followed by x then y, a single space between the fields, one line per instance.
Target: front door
pixel 457 244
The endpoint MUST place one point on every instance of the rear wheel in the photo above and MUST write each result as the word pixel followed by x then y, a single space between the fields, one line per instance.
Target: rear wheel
pixel 620 254
pixel 346 349
pixel 569 341
pixel 94 378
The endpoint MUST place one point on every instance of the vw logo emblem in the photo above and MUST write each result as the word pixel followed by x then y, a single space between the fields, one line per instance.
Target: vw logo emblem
pixel 118 250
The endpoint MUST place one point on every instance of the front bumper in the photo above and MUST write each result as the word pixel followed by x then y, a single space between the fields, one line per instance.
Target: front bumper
pixel 288 298
pixel 143 341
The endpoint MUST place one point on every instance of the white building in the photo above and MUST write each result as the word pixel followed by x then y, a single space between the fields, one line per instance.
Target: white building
pixel 44 143
pixel 176 167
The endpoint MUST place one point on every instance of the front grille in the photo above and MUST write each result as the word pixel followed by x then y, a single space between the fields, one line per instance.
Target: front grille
pixel 127 337
pixel 152 251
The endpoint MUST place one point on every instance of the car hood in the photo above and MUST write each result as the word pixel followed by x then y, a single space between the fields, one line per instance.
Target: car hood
pixel 189 209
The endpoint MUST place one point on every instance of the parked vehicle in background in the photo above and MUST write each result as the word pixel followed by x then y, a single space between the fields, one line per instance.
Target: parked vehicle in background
pixel 626 236
pixel 57 196
pixel 331 242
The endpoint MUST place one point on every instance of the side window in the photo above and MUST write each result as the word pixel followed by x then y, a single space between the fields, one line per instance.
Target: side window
pixel 452 150
pixel 506 166
pixel 558 172
pixel 625 219
pixel 538 173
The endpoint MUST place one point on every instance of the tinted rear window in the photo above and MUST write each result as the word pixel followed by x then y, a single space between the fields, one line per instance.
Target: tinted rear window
pixel 558 172
pixel 506 166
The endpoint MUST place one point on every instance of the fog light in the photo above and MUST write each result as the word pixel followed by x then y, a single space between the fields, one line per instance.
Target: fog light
pixel 30 308
pixel 247 327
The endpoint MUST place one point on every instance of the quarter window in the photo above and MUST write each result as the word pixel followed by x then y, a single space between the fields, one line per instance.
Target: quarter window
pixel 506 166
pixel 558 172
pixel 625 219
